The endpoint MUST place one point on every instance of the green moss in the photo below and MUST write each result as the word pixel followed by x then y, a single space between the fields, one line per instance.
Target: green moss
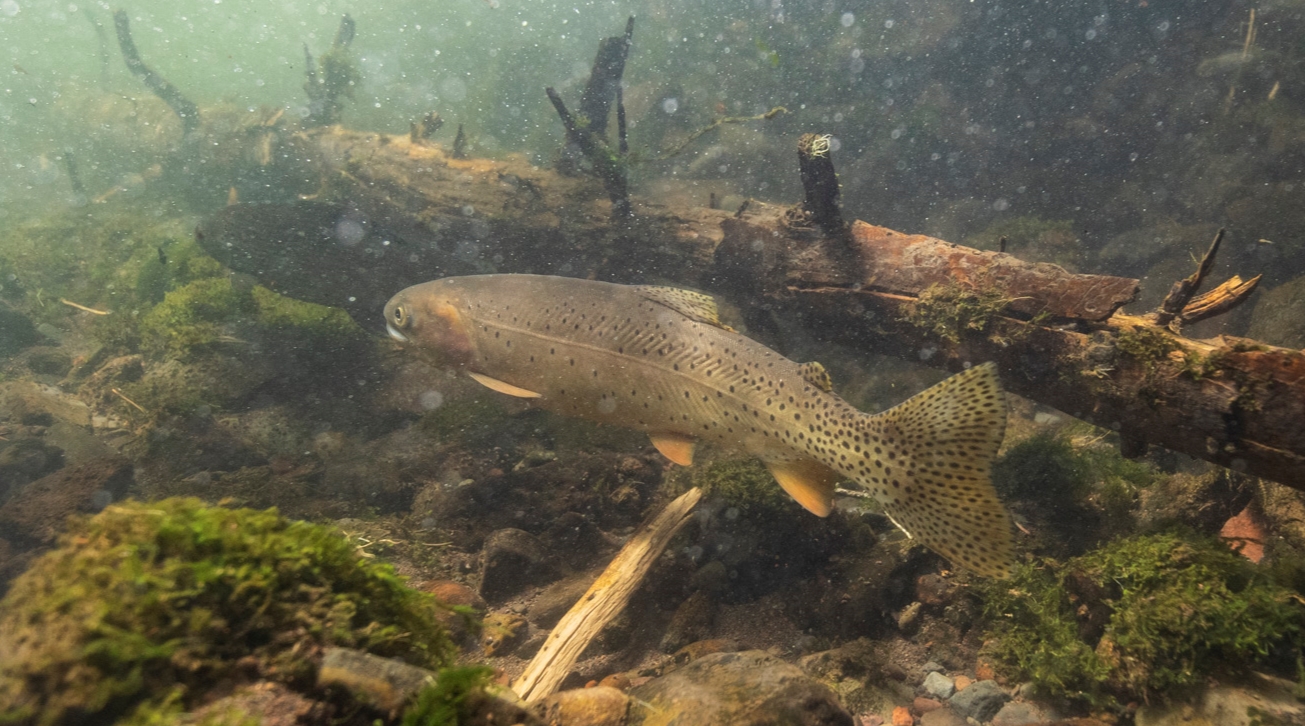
pixel 326 323
pixel 442 703
pixel 1148 346
pixel 144 601
pixel 194 316
pixel 742 483
pixel 1140 616
pixel 952 310
pixel 1047 466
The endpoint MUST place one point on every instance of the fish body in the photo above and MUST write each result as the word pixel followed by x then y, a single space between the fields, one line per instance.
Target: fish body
pixel 657 359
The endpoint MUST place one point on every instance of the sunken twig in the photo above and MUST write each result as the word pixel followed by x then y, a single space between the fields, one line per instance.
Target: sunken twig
pixel 186 110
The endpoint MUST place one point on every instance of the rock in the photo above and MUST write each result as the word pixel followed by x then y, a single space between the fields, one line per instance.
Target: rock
pixel 16 332
pixel 24 461
pixel 694 651
pixel 752 688
pixel 908 620
pixel 692 621
pixel 943 717
pixel 503 633
pixel 38 512
pixel 271 704
pixel 933 590
pixel 1263 700
pixel 619 681
pixel 981 701
pixel 48 362
pixel 553 601
pixel 925 705
pixel 939 686
pixel 1279 316
pixel 577 541
pixel 1023 713
pixel 962 682
pixel 513 559
pixel 27 401
pixel 456 594
pixel 597 706
pixel 902 717
pixel 384 683
pixel 931 666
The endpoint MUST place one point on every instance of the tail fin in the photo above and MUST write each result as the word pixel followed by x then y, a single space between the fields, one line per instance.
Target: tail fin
pixel 949 435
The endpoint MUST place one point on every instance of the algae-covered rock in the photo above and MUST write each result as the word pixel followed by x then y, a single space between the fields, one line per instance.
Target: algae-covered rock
pixel 1139 616
pixel 146 598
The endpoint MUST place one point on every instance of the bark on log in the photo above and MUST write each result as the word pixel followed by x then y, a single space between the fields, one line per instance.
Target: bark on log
pixel 1058 337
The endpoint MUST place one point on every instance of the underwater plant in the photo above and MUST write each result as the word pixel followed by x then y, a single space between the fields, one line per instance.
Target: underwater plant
pixel 146 601
pixel 1139 616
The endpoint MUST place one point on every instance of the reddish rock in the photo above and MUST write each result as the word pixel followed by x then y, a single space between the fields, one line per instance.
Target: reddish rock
pixel 902 717
pixel 933 590
pixel 1245 534
pixel 963 682
pixel 984 671
pixel 40 509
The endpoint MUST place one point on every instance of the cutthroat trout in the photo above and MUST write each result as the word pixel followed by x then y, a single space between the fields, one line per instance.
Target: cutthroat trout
pixel 658 359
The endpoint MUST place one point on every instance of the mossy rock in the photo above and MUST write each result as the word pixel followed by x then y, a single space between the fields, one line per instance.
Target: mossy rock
pixel 1141 616
pixel 1279 317
pixel 146 601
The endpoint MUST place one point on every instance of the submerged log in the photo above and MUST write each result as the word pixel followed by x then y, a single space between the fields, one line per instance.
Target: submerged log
pixel 1059 338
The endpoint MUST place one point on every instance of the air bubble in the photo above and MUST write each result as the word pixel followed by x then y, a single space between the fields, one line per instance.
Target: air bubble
pixel 847 19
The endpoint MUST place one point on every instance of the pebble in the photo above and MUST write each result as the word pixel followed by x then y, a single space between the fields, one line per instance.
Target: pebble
pixel 930 667
pixel 925 705
pixel 963 682
pixel 982 700
pixel 902 717
pixel 938 685
pixel 942 717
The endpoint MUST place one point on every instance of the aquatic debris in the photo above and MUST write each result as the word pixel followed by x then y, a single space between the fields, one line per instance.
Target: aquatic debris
pixel 83 308
pixel 658 360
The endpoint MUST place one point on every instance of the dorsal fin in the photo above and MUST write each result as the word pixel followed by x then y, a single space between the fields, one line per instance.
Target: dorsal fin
pixel 816 375
pixel 693 305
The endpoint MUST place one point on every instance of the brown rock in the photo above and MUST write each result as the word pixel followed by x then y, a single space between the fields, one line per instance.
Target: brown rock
pixel 382 682
pixel 456 594
pixel 963 682
pixel 513 559
pixel 925 705
pixel 984 671
pixel 597 706
pixel 752 687
pixel 272 704
pixel 26 400
pixel 902 717
pixel 942 717
pixel 933 590
pixel 553 601
pixel 619 681
pixel 39 511
pixel 692 621
pixel 696 650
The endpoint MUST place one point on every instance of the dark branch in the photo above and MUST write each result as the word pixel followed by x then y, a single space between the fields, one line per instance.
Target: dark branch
pixel 607 165
pixel 188 112
pixel 1184 289
pixel 820 182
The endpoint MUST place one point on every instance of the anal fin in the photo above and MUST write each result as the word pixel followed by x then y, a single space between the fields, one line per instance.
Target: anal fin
pixel 495 384
pixel 675 447
pixel 809 482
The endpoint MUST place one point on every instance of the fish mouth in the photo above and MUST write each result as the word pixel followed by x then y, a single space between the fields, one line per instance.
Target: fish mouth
pixel 394 333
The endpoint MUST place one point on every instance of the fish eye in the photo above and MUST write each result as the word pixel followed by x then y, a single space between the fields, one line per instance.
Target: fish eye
pixel 400 315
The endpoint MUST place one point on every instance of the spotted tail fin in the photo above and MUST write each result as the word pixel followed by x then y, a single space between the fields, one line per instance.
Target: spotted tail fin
pixel 948 436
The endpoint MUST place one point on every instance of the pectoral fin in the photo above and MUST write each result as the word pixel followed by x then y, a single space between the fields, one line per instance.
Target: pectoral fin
pixel 675 447
pixel 809 482
pixel 495 384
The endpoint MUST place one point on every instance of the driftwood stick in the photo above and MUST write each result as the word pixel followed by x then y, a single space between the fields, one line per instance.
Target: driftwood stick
pixel 1184 289
pixel 603 601
pixel 187 111
pixel 1230 294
